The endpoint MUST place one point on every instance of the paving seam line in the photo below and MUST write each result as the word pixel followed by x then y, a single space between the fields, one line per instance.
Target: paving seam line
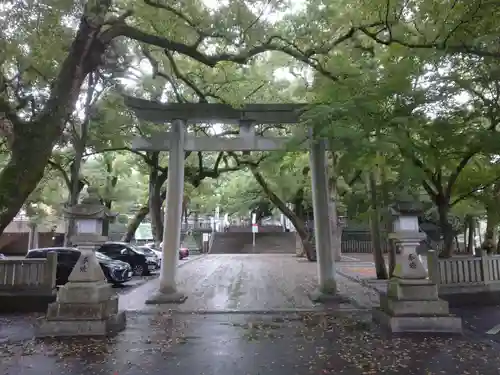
pixel 363 284
pixel 191 260
pixel 358 280
pixel 253 312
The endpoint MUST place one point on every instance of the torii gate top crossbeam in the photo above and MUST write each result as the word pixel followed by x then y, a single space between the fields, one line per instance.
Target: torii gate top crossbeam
pixel 213 112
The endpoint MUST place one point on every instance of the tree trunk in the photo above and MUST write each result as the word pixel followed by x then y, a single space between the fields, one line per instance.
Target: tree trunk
pixel 111 182
pixel 299 224
pixel 73 199
pixel 490 236
pixel 33 141
pixel 105 228
pixel 298 210
pixel 443 206
pixel 29 157
pixel 378 254
pixel 106 223
pixel 79 145
pixel 470 234
pixel 307 247
pixel 334 222
pixel 33 236
pixel 73 195
pixel 134 224
pixel 478 227
pixel 138 218
pixel 196 223
pixel 185 204
pixel 156 197
pixel 155 202
pixel 386 221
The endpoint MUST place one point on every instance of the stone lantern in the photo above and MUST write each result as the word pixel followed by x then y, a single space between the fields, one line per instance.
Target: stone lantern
pixel 86 305
pixel 411 303
pixel 89 216
pixel 406 233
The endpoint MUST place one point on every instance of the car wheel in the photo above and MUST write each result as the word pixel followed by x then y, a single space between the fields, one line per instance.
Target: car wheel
pixel 138 270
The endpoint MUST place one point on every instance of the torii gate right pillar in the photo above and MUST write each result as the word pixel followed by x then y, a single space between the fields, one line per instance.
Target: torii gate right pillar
pixel 324 245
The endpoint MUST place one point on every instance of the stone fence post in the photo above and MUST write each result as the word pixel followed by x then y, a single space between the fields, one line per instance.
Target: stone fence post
pixel 485 269
pixel 433 267
pixel 50 271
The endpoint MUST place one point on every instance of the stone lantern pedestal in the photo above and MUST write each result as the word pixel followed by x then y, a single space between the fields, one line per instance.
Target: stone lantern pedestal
pixel 411 303
pixel 86 305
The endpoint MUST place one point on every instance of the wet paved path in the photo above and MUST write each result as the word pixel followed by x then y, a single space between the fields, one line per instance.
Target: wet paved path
pixel 239 282
pixel 234 344
pixel 340 341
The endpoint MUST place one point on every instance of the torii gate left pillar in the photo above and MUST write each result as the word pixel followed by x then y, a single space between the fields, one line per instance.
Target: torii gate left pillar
pixel 167 292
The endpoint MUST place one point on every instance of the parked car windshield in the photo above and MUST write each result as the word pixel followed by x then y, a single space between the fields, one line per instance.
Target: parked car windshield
pixel 146 250
pixel 102 256
pixel 135 248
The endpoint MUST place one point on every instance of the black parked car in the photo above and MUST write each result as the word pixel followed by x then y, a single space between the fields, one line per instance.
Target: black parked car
pixel 151 253
pixel 115 271
pixel 141 263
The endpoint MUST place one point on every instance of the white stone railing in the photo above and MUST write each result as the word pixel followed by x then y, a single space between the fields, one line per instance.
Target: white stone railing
pixel 198 225
pixel 460 271
pixel 20 275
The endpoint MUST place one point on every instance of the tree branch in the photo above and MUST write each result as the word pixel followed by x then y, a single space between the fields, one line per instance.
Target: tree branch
pixel 473 191
pixel 273 43
pixel 156 72
pixel 460 167
pixel 357 176
pixel 58 167
pixel 443 46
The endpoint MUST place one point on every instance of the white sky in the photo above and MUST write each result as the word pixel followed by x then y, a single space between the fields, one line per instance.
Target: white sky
pixel 267 12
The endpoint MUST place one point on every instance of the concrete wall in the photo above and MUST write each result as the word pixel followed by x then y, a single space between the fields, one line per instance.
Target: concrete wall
pixel 17 243
pixel 22 226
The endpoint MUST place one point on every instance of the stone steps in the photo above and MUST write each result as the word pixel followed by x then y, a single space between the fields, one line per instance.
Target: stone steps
pixel 241 243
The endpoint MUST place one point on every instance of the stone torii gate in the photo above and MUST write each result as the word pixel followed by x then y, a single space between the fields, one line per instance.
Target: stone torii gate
pixel 176 142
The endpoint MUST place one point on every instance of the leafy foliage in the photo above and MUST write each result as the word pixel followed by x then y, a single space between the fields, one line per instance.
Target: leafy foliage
pixel 408 90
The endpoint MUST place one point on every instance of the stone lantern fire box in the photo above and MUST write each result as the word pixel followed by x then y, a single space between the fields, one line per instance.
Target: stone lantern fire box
pixel 411 303
pixel 86 305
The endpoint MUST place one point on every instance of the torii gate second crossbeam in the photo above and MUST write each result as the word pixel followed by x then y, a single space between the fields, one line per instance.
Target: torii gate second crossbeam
pixel 176 142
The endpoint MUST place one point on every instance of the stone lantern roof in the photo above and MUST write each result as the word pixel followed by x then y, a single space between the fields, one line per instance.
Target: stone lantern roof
pixel 90 207
pixel 406 206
